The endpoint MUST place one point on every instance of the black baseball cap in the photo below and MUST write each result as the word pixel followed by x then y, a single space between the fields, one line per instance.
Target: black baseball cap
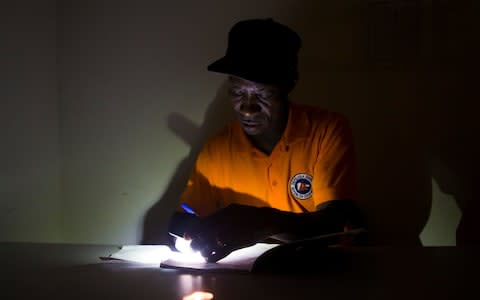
pixel 262 51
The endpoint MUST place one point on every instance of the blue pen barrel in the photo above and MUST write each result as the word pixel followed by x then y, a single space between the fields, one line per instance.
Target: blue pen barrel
pixel 188 209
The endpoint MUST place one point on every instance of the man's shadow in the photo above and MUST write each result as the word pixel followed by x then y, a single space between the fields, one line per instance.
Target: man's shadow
pixel 455 151
pixel 457 177
pixel 217 115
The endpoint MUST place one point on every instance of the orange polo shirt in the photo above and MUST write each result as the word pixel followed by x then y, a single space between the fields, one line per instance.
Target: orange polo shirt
pixel 312 163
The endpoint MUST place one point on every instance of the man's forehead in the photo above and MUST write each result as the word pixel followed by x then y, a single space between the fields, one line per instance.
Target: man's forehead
pixel 238 81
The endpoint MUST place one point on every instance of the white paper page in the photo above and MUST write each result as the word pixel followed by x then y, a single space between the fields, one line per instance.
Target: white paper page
pixel 145 254
pixel 241 259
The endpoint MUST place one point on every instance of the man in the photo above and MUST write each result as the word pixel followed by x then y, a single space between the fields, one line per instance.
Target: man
pixel 281 170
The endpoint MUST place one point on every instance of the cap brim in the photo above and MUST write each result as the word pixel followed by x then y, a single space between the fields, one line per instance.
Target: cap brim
pixel 244 70
pixel 223 65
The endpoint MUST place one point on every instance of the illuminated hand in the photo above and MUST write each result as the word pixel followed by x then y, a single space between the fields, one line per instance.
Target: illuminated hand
pixel 231 228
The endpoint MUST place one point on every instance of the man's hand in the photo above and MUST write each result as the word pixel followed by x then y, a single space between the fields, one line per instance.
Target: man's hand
pixel 231 228
pixel 238 226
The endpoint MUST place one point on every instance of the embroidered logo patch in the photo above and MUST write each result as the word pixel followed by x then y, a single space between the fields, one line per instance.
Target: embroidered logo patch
pixel 301 186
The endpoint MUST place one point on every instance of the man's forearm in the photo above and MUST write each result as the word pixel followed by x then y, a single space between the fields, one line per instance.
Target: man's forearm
pixel 332 216
pixel 239 223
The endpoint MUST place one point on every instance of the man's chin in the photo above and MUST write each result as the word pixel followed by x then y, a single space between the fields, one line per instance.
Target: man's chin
pixel 253 130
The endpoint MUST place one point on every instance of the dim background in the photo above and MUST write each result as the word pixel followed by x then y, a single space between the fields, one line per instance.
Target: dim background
pixel 104 105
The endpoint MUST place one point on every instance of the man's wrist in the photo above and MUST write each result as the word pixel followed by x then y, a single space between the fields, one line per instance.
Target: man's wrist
pixel 278 221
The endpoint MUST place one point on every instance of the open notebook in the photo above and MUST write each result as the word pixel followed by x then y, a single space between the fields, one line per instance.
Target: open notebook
pixel 243 259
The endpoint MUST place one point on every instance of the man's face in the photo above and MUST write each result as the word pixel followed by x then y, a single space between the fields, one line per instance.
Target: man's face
pixel 257 106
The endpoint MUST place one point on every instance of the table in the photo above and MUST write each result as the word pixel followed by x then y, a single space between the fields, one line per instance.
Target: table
pixel 63 271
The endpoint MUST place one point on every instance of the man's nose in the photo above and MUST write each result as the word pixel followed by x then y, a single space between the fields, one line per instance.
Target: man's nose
pixel 249 106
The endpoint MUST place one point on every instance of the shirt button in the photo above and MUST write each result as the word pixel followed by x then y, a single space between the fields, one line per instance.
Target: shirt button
pixel 274 183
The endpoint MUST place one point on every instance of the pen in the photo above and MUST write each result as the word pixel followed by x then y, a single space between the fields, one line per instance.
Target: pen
pixel 188 209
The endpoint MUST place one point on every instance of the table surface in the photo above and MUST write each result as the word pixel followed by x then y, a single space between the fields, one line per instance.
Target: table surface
pixel 63 271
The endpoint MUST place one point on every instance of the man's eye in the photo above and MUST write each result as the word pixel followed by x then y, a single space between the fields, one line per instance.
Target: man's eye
pixel 264 96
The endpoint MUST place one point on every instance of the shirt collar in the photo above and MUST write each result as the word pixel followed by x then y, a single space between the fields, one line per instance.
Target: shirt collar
pixel 298 125
pixel 298 128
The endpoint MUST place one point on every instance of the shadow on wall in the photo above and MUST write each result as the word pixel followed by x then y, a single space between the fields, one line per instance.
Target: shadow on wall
pixel 455 151
pixel 217 115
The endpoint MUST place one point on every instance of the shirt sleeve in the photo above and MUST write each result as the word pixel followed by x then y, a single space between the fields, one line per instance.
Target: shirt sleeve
pixel 335 169
pixel 199 194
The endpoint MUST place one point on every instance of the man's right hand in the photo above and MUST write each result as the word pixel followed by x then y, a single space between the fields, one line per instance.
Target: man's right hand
pixel 232 228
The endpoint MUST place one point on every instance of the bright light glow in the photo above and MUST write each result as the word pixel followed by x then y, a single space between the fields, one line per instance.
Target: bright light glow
pixel 199 296
pixel 183 245
pixel 186 253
